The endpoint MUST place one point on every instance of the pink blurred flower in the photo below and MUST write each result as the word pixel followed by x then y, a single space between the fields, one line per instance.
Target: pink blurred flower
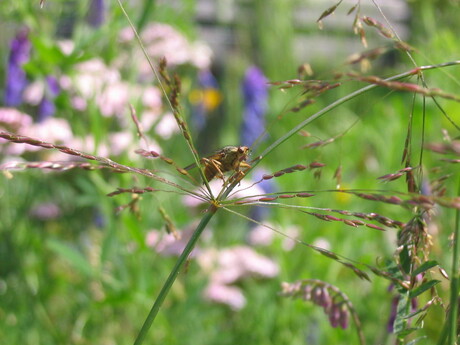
pixel 168 244
pixel 13 119
pixel 45 211
pixel 114 98
pixel 291 231
pixel 235 263
pixel 34 92
pixel 228 266
pixel 224 294
pixel 95 81
pixel 53 130
pixel 167 126
pixel 162 40
pixel 151 98
pixel 261 236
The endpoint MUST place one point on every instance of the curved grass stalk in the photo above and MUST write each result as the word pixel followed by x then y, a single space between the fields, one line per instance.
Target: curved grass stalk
pixel 454 285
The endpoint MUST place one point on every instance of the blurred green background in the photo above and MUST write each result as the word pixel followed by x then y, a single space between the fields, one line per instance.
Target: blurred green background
pixel 73 270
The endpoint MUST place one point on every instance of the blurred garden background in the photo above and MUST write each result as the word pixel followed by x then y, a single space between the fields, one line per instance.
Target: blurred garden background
pixel 80 267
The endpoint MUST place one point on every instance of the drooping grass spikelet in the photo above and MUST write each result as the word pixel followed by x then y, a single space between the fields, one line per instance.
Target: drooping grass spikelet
pixel 103 161
pixel 336 304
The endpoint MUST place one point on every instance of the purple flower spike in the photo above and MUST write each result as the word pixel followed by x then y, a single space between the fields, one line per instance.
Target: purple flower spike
pixel 96 13
pixel 255 94
pixel 16 80
pixel 47 107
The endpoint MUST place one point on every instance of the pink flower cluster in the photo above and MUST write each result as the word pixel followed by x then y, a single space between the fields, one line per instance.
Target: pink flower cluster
pixel 229 266
pixel 162 40
pixel 224 267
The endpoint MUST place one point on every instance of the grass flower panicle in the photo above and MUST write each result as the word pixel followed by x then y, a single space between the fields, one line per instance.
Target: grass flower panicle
pixel 335 303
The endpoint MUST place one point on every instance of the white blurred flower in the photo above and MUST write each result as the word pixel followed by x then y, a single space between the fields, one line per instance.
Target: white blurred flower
pixel 261 236
pixel 119 142
pixel 167 126
pixel 51 129
pixel 93 76
pixel 291 231
pixel 34 92
pixel 67 46
pixel 322 242
pixel 94 80
pixel 114 99
pixel 246 188
pixel 151 98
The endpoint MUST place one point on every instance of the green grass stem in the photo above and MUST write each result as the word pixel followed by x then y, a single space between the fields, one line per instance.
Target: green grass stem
pixel 173 275
pixel 452 322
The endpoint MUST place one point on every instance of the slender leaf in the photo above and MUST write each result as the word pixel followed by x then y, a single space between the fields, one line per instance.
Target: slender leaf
pixel 401 311
pixel 425 267
pixel 72 256
pixel 416 340
pixel 422 288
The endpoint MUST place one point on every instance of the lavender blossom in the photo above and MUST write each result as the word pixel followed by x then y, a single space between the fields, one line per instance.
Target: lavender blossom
pixel 16 79
pixel 255 94
pixel 96 13
pixel 45 211
pixel 46 107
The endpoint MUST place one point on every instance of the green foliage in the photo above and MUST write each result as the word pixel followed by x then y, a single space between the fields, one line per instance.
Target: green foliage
pixel 89 274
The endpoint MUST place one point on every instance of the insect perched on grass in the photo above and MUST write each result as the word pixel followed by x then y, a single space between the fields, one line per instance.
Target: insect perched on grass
pixel 228 158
